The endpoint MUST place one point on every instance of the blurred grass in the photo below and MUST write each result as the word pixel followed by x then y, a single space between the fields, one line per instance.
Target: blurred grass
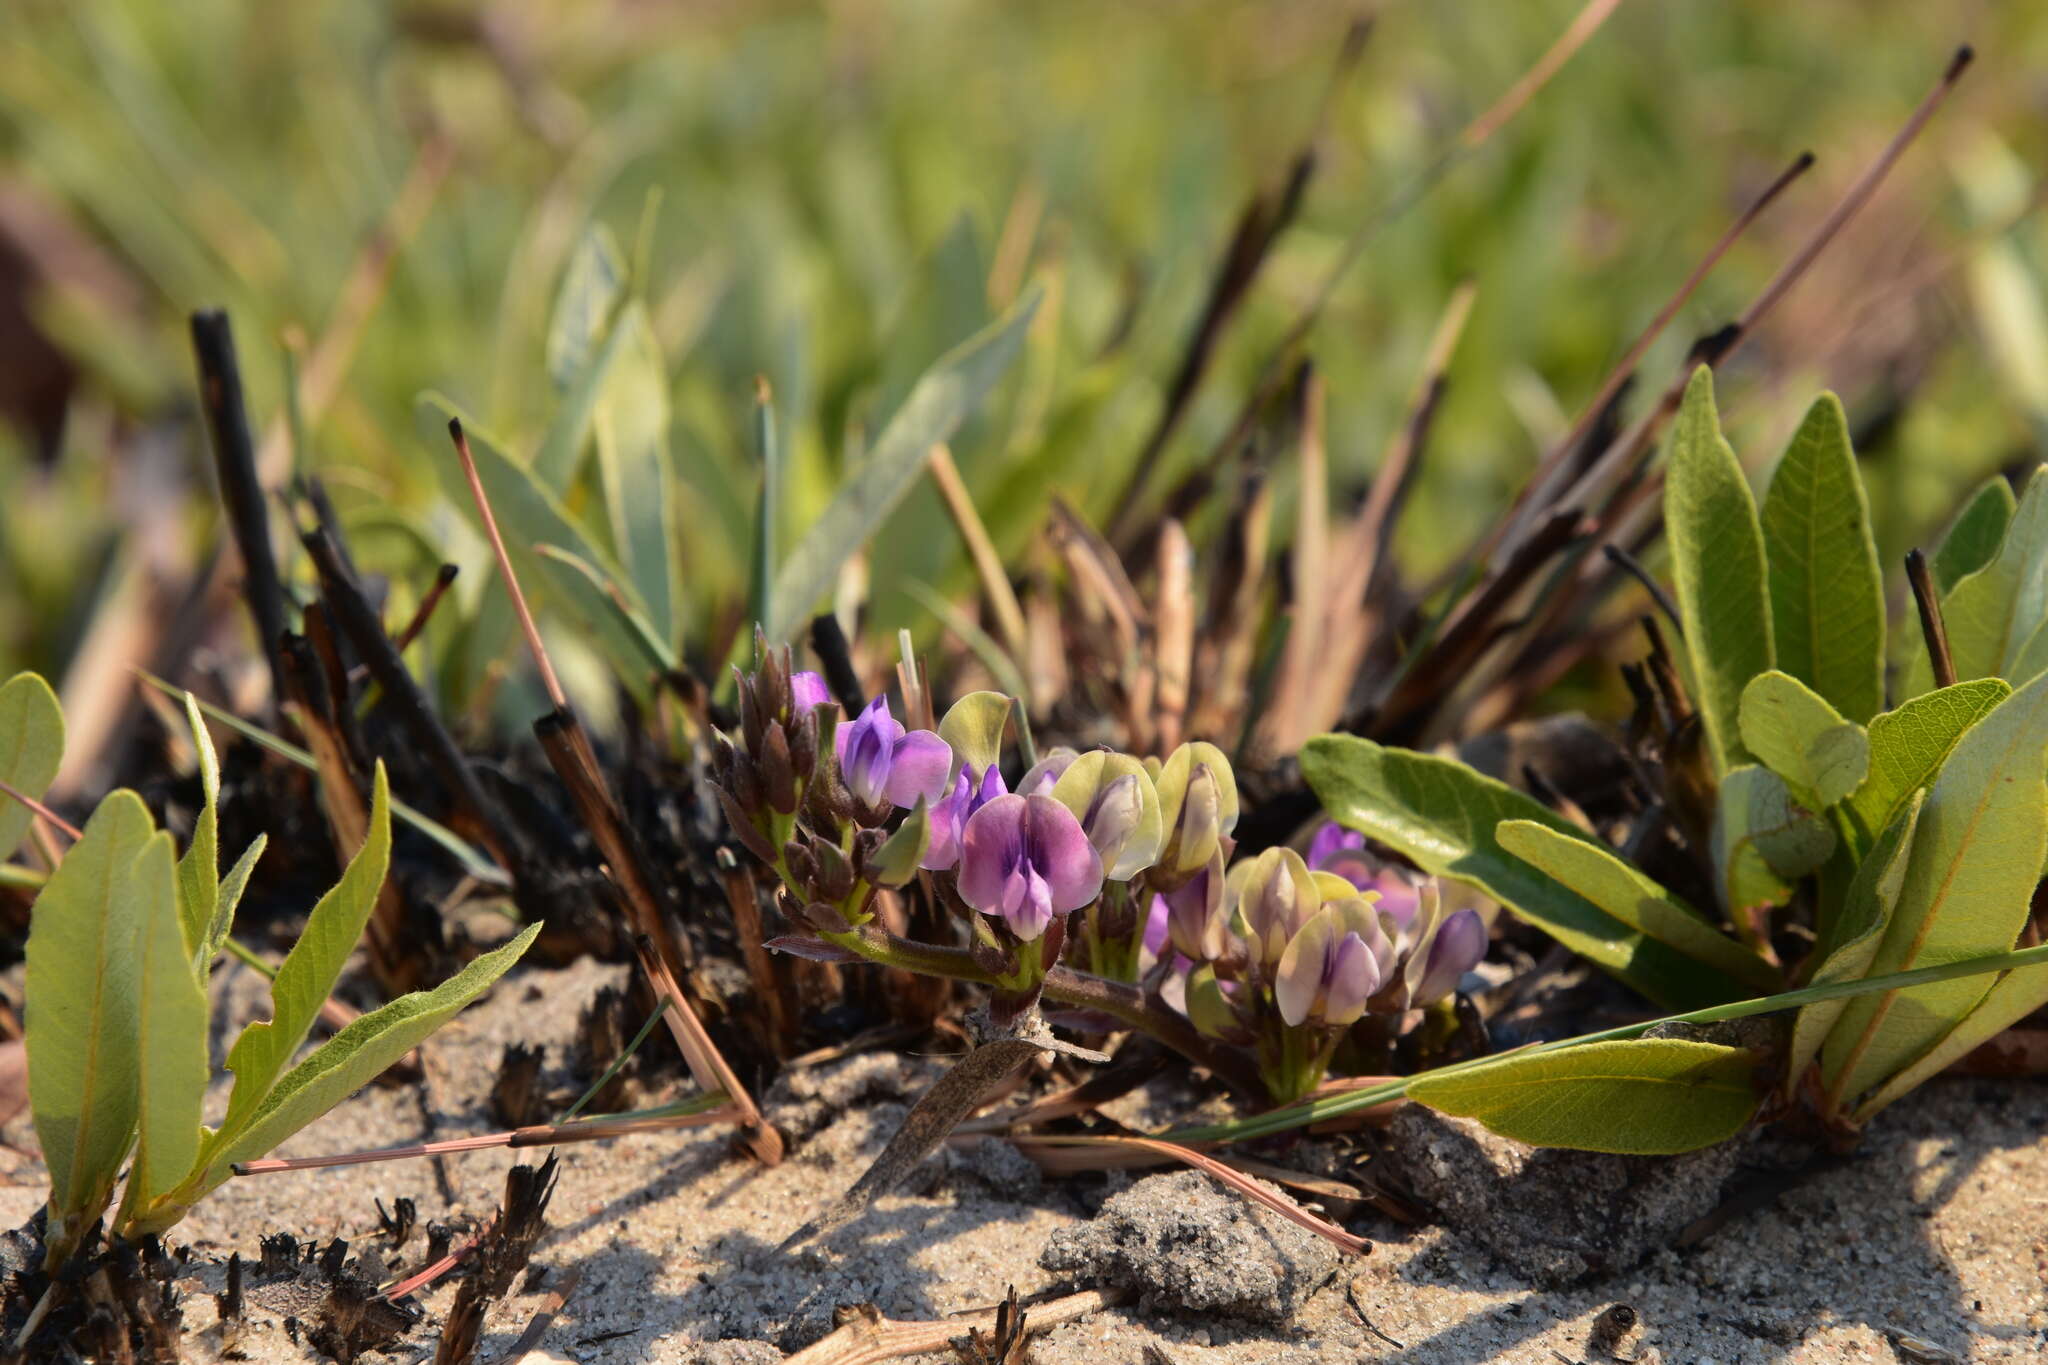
pixel 832 196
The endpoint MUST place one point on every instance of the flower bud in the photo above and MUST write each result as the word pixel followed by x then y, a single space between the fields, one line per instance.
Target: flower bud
pixel 1197 922
pixel 1331 967
pixel 1040 778
pixel 1117 805
pixel 1275 896
pixel 807 692
pixel 1459 945
pixel 834 877
pixel 777 771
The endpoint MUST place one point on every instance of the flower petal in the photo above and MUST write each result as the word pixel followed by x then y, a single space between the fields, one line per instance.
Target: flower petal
pixel 1059 848
pixel 1299 980
pixel 919 763
pixel 1460 944
pixel 1352 974
pixel 1330 838
pixel 990 844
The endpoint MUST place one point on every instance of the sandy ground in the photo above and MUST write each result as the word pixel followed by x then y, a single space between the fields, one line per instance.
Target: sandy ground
pixel 1931 1246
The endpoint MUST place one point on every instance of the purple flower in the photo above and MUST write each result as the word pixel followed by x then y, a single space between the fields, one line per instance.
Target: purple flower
pixel 806 691
pixel 1197 920
pixel 1046 772
pixel 950 816
pixel 880 760
pixel 1331 968
pixel 1025 859
pixel 1155 930
pixel 1330 839
pixel 1460 943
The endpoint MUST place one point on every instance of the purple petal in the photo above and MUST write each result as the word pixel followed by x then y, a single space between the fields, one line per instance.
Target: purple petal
pixel 1299 979
pixel 990 844
pixel 949 818
pixel 1460 944
pixel 807 690
pixel 918 765
pixel 1155 927
pixel 1351 974
pixel 1352 865
pixel 1059 846
pixel 1330 839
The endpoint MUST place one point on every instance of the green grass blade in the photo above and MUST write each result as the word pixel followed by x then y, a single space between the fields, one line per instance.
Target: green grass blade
pixel 199 869
pixel 940 400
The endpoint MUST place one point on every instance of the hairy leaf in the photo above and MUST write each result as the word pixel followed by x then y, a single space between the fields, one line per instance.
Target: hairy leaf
pixel 1637 1096
pixel 170 1008
pixel 1795 733
pixel 355 1056
pixel 31 750
pixel 938 403
pixel 1763 839
pixel 1443 816
pixel 310 969
pixel 2015 995
pixel 1993 613
pixel 1717 559
pixel 1827 597
pixel 80 994
pixel 1908 745
pixel 1854 935
pixel 199 869
pixel 1975 861
pixel 231 888
pixel 1634 899
pixel 1974 536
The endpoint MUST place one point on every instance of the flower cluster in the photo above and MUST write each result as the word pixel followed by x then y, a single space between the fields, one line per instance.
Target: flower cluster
pixel 1115 866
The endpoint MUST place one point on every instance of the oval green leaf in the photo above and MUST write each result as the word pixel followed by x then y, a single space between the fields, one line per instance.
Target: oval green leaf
pixel 1634 1097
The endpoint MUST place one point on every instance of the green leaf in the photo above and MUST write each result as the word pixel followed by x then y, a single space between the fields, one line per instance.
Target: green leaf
pixel 1795 733
pixel 1909 743
pixel 1634 899
pixel 1853 937
pixel 943 398
pixel 592 285
pixel 83 974
pixel 529 514
pixel 1763 839
pixel 1717 560
pixel 1637 1096
pixel 1993 613
pixel 309 971
pixel 31 750
pixel 1827 596
pixel 1442 816
pixel 199 869
pixel 560 457
pixel 2015 995
pixel 1975 861
pixel 170 1007
pixel 635 468
pixel 359 1053
pixel 974 726
pixel 1974 536
pixel 231 888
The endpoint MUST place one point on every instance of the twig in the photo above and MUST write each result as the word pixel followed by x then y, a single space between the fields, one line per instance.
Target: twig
pixel 358 621
pixel 695 1112
pixel 1932 627
pixel 1633 567
pixel 443 578
pixel 9 789
pixel 543 1318
pixel 988 564
pixel 1351 1297
pixel 864 1336
pixel 241 491
pixel 770 986
pixel 525 614
pixel 835 656
pixel 706 1062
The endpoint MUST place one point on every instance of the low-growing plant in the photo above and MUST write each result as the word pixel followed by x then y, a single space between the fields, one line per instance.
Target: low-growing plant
pixel 1841 841
pixel 122 938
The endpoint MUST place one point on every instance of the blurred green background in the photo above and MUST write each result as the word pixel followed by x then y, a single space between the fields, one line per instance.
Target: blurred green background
pixel 832 195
